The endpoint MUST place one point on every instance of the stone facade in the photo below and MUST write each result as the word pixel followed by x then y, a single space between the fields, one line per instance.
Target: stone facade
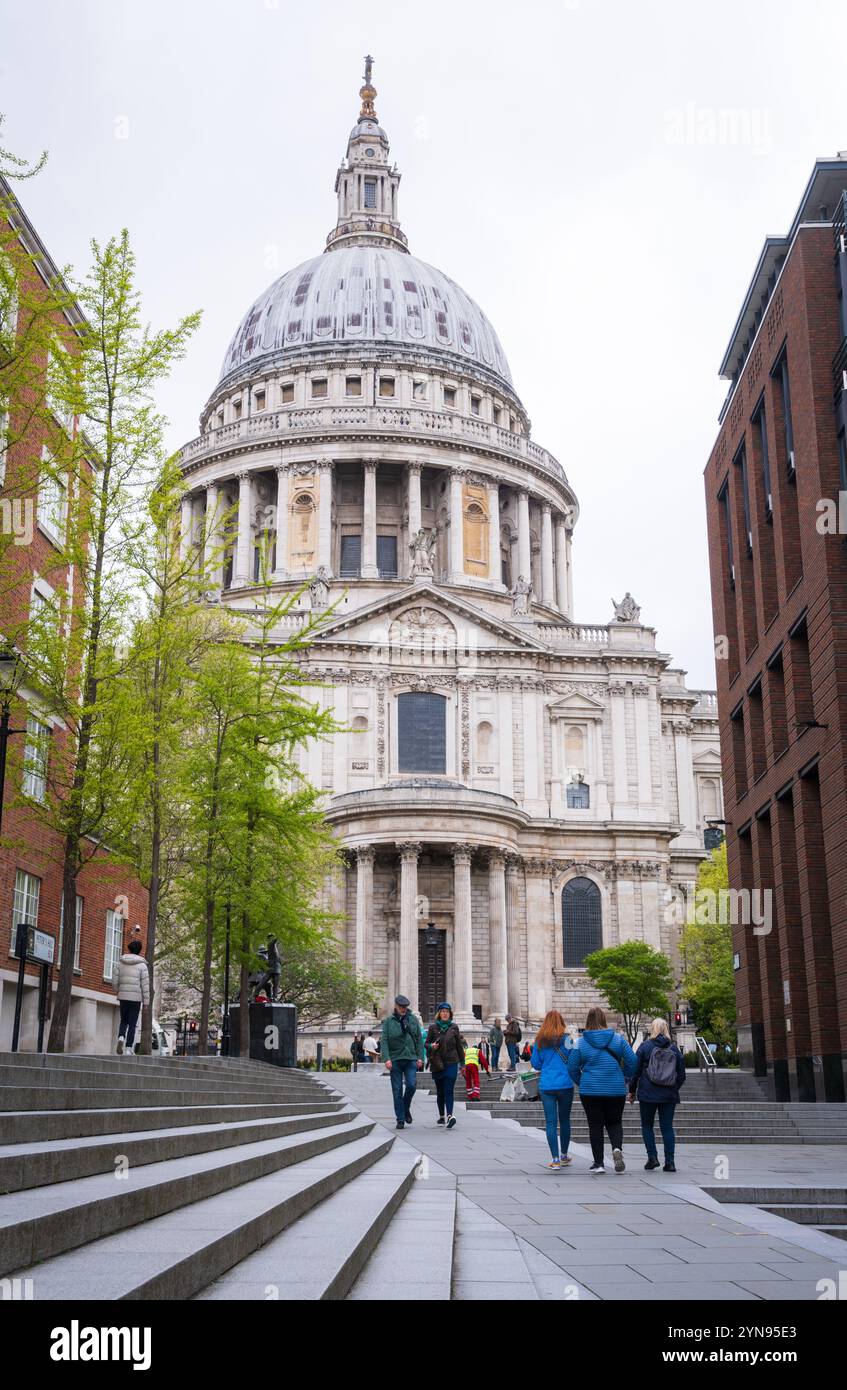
pixel 397 472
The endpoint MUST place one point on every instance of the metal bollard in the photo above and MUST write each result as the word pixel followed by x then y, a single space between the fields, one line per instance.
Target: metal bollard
pixel 320 1056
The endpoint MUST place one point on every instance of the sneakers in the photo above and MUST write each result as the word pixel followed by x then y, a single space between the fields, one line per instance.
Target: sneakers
pixel 400 1125
pixel 120 1047
pixel 554 1164
pixel 669 1167
pixel 620 1166
pixel 597 1168
pixel 440 1120
pixel 408 1118
pixel 451 1122
pixel 565 1160
pixel 651 1164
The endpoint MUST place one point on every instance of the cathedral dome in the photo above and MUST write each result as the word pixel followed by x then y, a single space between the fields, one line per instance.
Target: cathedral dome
pixel 370 296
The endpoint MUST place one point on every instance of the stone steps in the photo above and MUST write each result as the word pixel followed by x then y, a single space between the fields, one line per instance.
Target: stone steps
pixel 822 1209
pixel 143 1178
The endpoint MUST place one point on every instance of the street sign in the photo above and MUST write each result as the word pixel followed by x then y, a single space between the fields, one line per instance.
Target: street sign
pixel 40 946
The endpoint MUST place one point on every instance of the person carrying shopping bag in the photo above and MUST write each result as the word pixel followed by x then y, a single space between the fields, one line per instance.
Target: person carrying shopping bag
pixel 446 1054
pixel 599 1065
pixel 555 1086
pixel 658 1077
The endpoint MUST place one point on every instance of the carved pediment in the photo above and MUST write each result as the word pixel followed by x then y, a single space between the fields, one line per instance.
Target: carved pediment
pixel 576 706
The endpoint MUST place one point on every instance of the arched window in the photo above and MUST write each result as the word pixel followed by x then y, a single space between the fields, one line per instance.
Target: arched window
pixel 582 921
pixel 421 732
pixel 578 796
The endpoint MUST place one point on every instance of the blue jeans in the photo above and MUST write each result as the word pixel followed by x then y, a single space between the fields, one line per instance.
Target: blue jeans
pixel 512 1049
pixel 403 1072
pixel 445 1082
pixel 557 1116
pixel 495 1055
pixel 648 1110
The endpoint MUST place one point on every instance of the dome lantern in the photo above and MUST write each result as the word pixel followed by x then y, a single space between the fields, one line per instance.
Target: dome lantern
pixel 366 185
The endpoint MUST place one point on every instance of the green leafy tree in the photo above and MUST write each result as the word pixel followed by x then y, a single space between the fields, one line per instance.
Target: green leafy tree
pixel 323 985
pixel 708 978
pixel 634 979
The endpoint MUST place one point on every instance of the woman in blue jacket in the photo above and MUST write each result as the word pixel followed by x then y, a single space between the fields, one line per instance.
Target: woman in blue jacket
pixel 600 1064
pixel 658 1092
pixel 550 1058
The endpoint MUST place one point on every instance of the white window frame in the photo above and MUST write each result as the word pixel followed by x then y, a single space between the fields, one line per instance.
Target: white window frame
pixel 25 900
pixel 52 506
pixel 78 941
pixel 36 758
pixel 10 276
pixel 113 943
pixel 61 412
pixel 4 438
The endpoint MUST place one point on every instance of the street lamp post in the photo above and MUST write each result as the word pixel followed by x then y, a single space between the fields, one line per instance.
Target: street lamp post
pixel 11 674
pixel 225 1022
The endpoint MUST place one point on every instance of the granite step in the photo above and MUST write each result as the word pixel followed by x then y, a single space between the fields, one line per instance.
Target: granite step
pixel 41 1126
pixel 102 1097
pixel 178 1253
pixel 46 1221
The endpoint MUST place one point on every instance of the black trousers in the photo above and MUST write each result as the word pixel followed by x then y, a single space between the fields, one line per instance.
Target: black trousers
pixel 604 1112
pixel 130 1009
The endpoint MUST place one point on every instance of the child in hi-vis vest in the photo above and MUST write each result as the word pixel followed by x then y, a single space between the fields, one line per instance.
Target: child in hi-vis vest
pixel 474 1059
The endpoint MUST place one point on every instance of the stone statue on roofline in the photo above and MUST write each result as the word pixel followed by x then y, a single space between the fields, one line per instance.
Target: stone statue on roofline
pixel 521 596
pixel 627 611
pixel 422 547
pixel 319 588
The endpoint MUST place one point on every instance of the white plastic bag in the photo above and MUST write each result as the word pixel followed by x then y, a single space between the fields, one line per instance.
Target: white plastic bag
pixel 519 1089
pixel 508 1091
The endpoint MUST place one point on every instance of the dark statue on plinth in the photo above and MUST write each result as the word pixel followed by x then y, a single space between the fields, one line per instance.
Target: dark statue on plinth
pixel 269 979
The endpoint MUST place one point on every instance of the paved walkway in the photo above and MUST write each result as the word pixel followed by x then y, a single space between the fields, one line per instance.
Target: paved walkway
pixel 524 1232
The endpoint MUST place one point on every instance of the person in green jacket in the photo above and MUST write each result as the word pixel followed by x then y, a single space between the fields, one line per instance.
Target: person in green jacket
pixel 402 1051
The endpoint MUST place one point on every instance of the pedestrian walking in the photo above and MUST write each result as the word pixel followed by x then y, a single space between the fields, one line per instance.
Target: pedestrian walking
pixel 474 1059
pixel 600 1065
pixel 555 1085
pixel 659 1074
pixel 526 1055
pixel 512 1035
pixel 402 1051
pixel 133 991
pixel 495 1042
pixel 370 1048
pixel 357 1051
pixel 446 1053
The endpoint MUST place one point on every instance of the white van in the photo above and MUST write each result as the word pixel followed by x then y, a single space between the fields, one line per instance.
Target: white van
pixel 159 1042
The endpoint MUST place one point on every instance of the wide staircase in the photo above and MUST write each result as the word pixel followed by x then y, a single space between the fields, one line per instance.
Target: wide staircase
pixel 822 1208
pixel 146 1178
pixel 724 1107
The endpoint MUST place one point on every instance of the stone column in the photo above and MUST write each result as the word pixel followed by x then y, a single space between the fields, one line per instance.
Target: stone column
pixel 495 573
pixel 514 871
pixel 282 505
pixel 186 525
pixel 685 782
pixel 369 565
pixel 364 909
pixel 413 479
pixel 524 554
pixel 498 998
pixel 325 514
pixel 457 546
pixel 561 565
pixel 212 538
pixel 241 573
pixel 568 539
pixel 408 975
pixel 538 980
pixel 548 591
pixel 462 936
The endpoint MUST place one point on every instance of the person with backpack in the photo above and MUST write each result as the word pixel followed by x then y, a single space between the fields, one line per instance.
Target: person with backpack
pixel 555 1086
pixel 512 1035
pixel 446 1052
pixel 495 1041
pixel 600 1066
pixel 133 991
pixel 659 1074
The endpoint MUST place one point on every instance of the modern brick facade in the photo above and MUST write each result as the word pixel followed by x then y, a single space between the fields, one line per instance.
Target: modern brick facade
pixel 109 899
pixel 779 597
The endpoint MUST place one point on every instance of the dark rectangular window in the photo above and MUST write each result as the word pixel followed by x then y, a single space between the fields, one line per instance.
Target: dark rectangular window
pixel 781 374
pixel 739 752
pixel 723 498
pixel 578 796
pixel 756 732
pixel 776 701
pixel 761 422
pixel 421 732
pixel 386 556
pixel 740 461
pixel 351 557
pixel 370 193
pixel 842 460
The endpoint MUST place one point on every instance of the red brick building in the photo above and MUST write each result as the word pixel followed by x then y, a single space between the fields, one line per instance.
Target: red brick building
pixel 779 598
pixel 33 510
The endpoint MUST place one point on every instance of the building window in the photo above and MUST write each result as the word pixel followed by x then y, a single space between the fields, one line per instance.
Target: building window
pixel 386 386
pixel 319 387
pixel 740 461
pixel 236 409
pixel 476 405
pixel 582 921
pixel 386 556
pixel 842 458
pixel 419 391
pixel 8 303
pixel 370 193
pixel 78 937
pixel 25 901
pixel 219 420
pixel 723 500
pixel 259 400
pixel 353 386
pixel 4 439
pixel 498 415
pixel 52 495
pixel 577 796
pixel 58 386
pixel 421 732
pixel 35 759
pixel 761 421
pixel 287 392
pixel 449 398
pixel 780 372
pixel 114 942
pixel 351 557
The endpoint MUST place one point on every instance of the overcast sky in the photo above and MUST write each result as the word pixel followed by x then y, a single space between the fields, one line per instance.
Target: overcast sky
pixel 599 175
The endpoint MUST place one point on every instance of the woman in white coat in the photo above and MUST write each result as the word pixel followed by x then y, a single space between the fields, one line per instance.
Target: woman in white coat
pixel 133 991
